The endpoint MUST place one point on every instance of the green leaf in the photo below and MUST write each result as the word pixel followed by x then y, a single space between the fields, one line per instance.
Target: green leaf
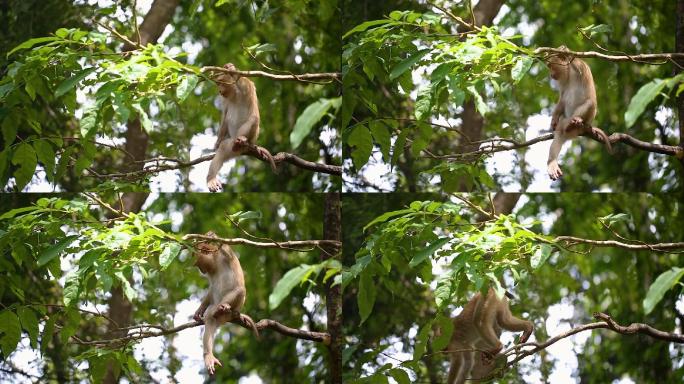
pixel 16 211
pixel 423 103
pixel 168 254
pixel 48 332
pixel 382 137
pixel 400 376
pixel 46 156
pixel 660 286
pixel 616 218
pixel 386 216
pixel 129 292
pixel 187 84
pixel 55 250
pixel 29 322
pixel 522 65
pixel 71 288
pixel 10 126
pixel 360 138
pixel 11 330
pixel 366 295
pixel 366 25
pixel 312 114
pixel 407 63
pixel 480 104
pixel 284 286
pixel 446 326
pixel 25 158
pixel 66 85
pixel 428 251
pixel 643 97
pixel 30 43
pixel 89 122
pixel 421 341
pixel 541 255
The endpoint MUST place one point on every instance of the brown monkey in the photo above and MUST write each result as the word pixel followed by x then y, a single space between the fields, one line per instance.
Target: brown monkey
pixel 239 122
pixel 475 341
pixel 576 107
pixel 225 297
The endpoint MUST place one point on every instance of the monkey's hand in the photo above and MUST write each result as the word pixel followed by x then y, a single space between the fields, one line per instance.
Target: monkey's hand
pixel 199 314
pixel 554 170
pixel 210 361
pixel 576 122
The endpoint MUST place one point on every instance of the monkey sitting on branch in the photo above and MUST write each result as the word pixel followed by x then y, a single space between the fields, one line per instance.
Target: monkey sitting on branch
pixel 475 341
pixel 225 297
pixel 576 108
pixel 239 122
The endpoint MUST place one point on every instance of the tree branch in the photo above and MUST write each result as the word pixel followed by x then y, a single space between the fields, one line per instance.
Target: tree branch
pixel 494 145
pixel 648 57
pixel 161 164
pixel 606 322
pixel 294 77
pixel 144 331
pixel 572 240
pixel 294 244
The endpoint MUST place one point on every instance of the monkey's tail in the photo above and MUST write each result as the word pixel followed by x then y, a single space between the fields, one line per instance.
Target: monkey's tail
pixel 245 319
pixel 599 132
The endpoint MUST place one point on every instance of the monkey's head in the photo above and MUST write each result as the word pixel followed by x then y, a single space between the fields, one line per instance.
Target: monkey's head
pixel 206 253
pixel 226 81
pixel 559 63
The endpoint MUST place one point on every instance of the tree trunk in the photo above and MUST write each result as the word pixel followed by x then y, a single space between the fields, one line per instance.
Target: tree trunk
pixel 332 230
pixel 137 140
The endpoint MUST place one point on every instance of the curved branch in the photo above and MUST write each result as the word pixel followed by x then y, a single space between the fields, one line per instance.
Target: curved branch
pixel 494 145
pixel 145 331
pixel 321 337
pixel 597 55
pixel 572 240
pixel 161 164
pixel 298 244
pixel 293 77
pixel 606 322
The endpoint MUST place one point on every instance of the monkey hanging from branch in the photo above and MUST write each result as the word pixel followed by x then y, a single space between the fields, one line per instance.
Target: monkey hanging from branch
pixel 475 341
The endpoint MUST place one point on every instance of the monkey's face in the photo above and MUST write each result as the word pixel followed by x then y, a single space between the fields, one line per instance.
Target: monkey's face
pixel 205 253
pixel 558 68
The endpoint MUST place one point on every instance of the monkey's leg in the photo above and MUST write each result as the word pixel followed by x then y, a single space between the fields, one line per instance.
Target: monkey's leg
pixel 232 301
pixel 223 153
pixel 461 365
pixel 552 164
pixel 210 325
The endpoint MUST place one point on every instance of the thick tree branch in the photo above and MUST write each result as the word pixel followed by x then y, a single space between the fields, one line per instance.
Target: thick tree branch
pixel 144 331
pixel 496 145
pixel 606 322
pixel 160 164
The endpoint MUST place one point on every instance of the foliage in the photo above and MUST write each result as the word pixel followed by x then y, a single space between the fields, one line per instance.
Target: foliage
pixel 70 246
pixel 419 259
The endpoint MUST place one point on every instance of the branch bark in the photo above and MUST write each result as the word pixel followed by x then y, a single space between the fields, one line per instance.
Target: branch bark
pixel 572 240
pixel 649 57
pixel 296 244
pixel 492 146
pixel 291 76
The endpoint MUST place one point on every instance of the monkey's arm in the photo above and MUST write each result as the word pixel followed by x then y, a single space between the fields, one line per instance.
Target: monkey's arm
pixel 199 313
pixel 557 112
pixel 223 131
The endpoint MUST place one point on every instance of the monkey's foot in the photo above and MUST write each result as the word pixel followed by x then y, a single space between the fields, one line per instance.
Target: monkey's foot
pixel 214 185
pixel 554 170
pixel 576 122
pixel 210 361
pixel 222 309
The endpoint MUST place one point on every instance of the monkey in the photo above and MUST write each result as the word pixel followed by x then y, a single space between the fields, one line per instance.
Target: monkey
pixel 239 122
pixel 225 297
pixel 576 108
pixel 475 340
